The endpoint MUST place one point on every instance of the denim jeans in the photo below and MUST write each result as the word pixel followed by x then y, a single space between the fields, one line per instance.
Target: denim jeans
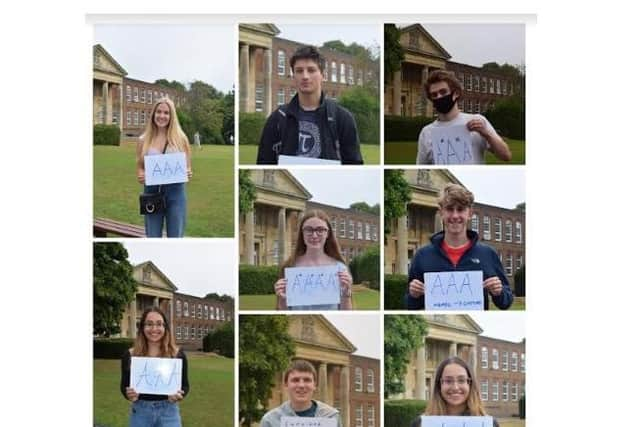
pixel 175 215
pixel 154 413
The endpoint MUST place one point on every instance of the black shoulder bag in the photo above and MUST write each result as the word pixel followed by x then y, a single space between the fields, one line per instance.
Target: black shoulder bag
pixel 151 203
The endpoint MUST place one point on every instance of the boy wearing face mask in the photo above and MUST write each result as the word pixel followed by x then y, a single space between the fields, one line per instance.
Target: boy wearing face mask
pixel 444 90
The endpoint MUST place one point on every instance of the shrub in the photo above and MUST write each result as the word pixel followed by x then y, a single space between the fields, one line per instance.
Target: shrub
pixel 251 125
pixel 400 128
pixel 507 117
pixel 395 287
pixel 363 105
pixel 521 408
pixel 111 348
pixel 220 340
pixel 106 135
pixel 402 412
pixel 519 282
pixel 366 267
pixel 257 280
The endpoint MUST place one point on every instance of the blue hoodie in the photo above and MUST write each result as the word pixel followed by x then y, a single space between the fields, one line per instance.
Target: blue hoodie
pixel 432 258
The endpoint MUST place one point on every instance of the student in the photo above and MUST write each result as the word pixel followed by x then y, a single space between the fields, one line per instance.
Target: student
pixel 457 248
pixel 316 246
pixel 154 339
pixel 301 380
pixel 163 134
pixel 311 125
pixel 444 91
pixel 455 392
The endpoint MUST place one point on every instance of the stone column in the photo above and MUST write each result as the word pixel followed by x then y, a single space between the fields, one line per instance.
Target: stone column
pixel 473 359
pixel 249 233
pixel 244 77
pixel 156 302
pixel 402 246
pixel 397 93
pixel 322 383
pixel 344 396
pixel 421 379
pixel 453 349
pixel 105 103
pixel 267 82
pixel 282 233
pixel 120 106
pixel 251 85
pixel 132 318
pixel 173 327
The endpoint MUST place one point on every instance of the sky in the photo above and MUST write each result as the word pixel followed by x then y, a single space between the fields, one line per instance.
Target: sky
pixel 196 267
pixel 176 52
pixel 341 187
pixel 477 44
pixel 363 330
pixel 367 35
pixel 505 325
pixel 497 186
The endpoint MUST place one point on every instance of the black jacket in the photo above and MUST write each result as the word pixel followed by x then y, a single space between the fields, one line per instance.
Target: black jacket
pixel 338 133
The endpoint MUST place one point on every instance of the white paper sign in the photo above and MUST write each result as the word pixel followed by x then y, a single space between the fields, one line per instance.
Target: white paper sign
pixel 299 160
pixel 453 290
pixel 312 285
pixel 155 375
pixel 451 421
pixel 452 145
pixel 308 422
pixel 162 169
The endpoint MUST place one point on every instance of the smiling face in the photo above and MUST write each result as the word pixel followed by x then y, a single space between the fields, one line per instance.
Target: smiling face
pixel 455 218
pixel 162 115
pixel 454 388
pixel 300 386
pixel 307 76
pixel 154 327
pixel 315 232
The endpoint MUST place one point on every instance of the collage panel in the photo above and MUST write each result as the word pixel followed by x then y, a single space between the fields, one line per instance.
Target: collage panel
pixel 455 369
pixel 456 239
pixel 163 131
pixel 309 370
pixel 305 246
pixel 452 95
pixel 309 94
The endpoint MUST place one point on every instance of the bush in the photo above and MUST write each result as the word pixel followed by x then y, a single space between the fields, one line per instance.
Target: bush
pixel 364 107
pixel 507 117
pixel 521 408
pixel 395 287
pixel 111 348
pixel 519 282
pixel 366 267
pixel 106 135
pixel 251 125
pixel 257 280
pixel 400 128
pixel 402 412
pixel 220 340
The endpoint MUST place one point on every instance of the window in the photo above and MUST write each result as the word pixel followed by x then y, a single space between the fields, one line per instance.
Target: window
pixel 359 230
pixel 206 312
pixel 477 105
pixel 505 391
pixel 334 71
pixel 495 362
pixel 495 391
pixel 149 96
pixel 178 308
pixel 136 122
pixel 514 362
pixel 193 311
pixel 476 83
pixel 370 381
pixel 135 94
pixel 142 96
pixel 469 81
pixel 351 229
pixel 491 86
pixel 292 92
pixel 217 313
pixel 359 415
pixel 514 392
pixel 221 313
pixel 486 228
pixel 193 332
pixel 185 313
pixel 367 231
pixel 199 331
pixel 360 80
pixel 143 117
pixel 484 390
pixel 371 415
pixel 179 332
pixel 343 74
pixel 281 97
pixel 358 379
pixel 518 262
pixel 350 75
pixel 505 360
pixel 522 362
pixel 497 229
pixel 518 232
pixel 507 231
pixel 484 358
pixel 508 268
pixel 282 61
pixel 259 97
pixel 128 93
pixel 483 87
pixel 498 91
pixel 199 311
pixel 474 222
pixel 334 224
pixel 155 95
pixel 128 118
pixel 325 70
pixel 374 233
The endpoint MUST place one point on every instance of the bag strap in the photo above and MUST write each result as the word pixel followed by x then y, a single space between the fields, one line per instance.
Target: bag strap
pixel 164 150
pixel 333 124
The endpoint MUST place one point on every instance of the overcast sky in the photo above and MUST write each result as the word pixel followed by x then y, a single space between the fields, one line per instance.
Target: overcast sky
pixel 477 44
pixel 196 267
pixel 367 35
pixel 497 186
pixel 505 325
pixel 174 52
pixel 341 187
pixel 363 330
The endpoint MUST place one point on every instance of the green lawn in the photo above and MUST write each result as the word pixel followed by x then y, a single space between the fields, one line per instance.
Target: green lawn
pixel 366 299
pixel 511 422
pixel 209 402
pixel 370 154
pixel 210 202
pixel 404 153
pixel 518 304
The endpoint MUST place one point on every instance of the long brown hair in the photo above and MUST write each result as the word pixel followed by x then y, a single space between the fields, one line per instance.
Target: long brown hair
pixel 331 245
pixel 438 406
pixel 168 346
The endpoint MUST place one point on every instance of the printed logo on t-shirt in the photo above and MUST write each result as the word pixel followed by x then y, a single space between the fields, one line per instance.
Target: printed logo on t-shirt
pixel 309 139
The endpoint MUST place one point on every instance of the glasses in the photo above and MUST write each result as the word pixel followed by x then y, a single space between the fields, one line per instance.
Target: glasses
pixel 461 381
pixel 151 325
pixel 320 231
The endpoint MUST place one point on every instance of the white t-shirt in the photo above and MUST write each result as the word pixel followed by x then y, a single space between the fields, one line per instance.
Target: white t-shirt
pixel 478 144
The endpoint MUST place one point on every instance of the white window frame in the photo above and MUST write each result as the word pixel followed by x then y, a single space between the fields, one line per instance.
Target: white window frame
pixel 259 98
pixel 136 120
pixel 475 222
pixel 358 379
pixel 193 332
pixel 497 229
pixel 518 232
pixel 350 80
pixel 495 391
pixel 334 72
pixel 149 96
pixel 359 230
pixel 508 231
pixel 343 74
pixel 371 415
pixel 374 233
pixel 505 361
pixel 505 391
pixel 351 229
pixel 359 415
pixel 486 227
pixel 281 96
pixel 514 362
pixel 282 63
pixel 185 308
pixel 484 390
pixel 371 381
pixel 495 359
pixel 514 392
pixel 128 91
pixel 178 308
pixel 522 362
pixel 135 94
pixel 508 265
pixel 367 231
pixel 179 332
pixel 484 358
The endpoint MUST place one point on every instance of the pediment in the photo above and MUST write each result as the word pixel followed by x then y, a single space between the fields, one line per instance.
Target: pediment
pixel 318 331
pixel 430 179
pixel 268 29
pixel 279 181
pixel 148 274
pixel 103 61
pixel 460 322
pixel 415 38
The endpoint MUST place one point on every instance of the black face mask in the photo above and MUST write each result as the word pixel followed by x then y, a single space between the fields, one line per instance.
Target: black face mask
pixel 444 104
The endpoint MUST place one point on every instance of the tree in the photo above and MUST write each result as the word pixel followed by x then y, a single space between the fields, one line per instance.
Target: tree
pixel 363 105
pixel 174 84
pixel 219 298
pixel 354 49
pixel 521 206
pixel 393 52
pixel 265 349
pixel 396 196
pixel 364 207
pixel 508 116
pixel 246 191
pixel 228 120
pixel 403 334
pixel 113 287
pixel 206 108
pixel 220 340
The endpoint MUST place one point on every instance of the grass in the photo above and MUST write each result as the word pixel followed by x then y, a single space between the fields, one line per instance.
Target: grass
pixel 209 402
pixel 518 304
pixel 366 299
pixel 404 153
pixel 511 422
pixel 370 154
pixel 210 201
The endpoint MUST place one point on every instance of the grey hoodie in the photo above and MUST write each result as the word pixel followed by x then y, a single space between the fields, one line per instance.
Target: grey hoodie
pixel 272 418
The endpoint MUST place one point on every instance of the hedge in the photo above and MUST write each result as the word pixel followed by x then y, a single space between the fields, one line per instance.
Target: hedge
pixel 521 407
pixel 257 280
pixel 366 267
pixel 508 117
pixel 395 288
pixel 402 412
pixel 106 135
pixel 251 125
pixel 220 340
pixel 519 282
pixel 400 128
pixel 111 348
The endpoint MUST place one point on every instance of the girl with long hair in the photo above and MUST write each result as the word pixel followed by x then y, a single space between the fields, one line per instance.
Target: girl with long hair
pixel 316 246
pixel 163 134
pixel 154 339
pixel 455 392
